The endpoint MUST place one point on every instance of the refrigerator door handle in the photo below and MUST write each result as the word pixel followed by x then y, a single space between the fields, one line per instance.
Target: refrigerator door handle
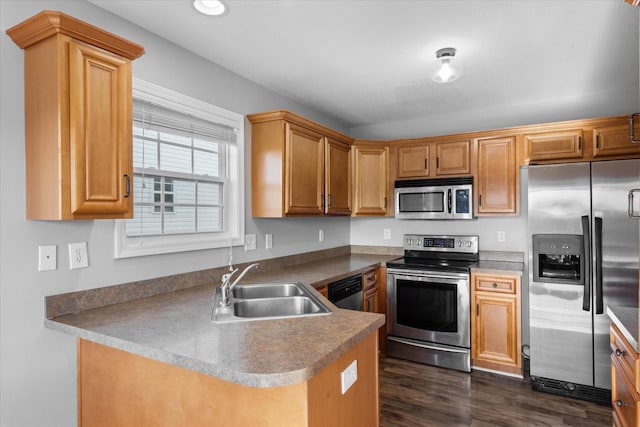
pixel 586 262
pixel 598 265
pixel 630 209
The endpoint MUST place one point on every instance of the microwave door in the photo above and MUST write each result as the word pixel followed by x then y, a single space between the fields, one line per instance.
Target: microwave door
pixel 423 203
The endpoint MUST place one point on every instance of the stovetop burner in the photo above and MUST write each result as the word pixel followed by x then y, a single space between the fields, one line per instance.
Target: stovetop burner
pixel 437 253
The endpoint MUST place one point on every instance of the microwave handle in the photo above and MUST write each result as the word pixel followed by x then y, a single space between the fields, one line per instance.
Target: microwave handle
pixel 449 199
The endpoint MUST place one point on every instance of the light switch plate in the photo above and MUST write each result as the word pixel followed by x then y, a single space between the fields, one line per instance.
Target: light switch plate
pixel 268 241
pixel 249 242
pixel 349 376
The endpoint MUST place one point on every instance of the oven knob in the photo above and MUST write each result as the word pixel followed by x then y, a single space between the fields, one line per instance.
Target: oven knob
pixel 469 243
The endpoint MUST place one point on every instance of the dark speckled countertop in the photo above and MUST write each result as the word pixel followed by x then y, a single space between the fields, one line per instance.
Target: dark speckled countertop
pixel 175 328
pixel 626 319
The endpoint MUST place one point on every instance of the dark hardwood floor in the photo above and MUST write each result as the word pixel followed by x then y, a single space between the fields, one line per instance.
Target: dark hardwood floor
pixel 417 395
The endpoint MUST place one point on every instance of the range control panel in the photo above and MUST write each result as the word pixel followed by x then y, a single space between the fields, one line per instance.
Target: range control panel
pixel 422 242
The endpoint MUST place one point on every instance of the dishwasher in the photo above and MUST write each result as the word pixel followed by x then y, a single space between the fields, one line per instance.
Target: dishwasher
pixel 346 293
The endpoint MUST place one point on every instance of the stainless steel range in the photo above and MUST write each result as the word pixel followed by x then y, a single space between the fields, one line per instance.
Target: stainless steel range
pixel 428 293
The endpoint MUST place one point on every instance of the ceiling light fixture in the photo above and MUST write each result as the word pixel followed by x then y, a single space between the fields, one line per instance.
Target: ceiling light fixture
pixel 448 68
pixel 210 7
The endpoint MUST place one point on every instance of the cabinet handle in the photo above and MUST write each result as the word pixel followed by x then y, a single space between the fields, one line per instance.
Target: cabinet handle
pixel 385 203
pixel 437 162
pixel 477 309
pixel 598 142
pixel 579 143
pixel 322 200
pixel 127 185
pixel 632 133
pixel 480 200
pixel 620 352
pixel 330 200
pixel 621 403
pixel 426 164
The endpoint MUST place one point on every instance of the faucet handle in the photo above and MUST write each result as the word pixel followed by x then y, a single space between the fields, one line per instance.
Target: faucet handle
pixel 227 276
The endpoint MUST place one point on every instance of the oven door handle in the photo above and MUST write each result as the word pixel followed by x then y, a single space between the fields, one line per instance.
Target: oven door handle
pixel 425 345
pixel 586 261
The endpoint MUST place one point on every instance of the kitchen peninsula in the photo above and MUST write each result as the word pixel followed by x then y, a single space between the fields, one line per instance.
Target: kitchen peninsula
pixel 159 360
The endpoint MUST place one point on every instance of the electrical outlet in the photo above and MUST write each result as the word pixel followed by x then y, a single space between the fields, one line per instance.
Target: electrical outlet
pixel 47 258
pixel 268 241
pixel 249 242
pixel 502 236
pixel 321 235
pixel 387 233
pixel 349 376
pixel 78 257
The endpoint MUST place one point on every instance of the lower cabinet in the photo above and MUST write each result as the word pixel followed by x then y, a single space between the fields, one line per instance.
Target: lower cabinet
pixel 117 388
pixel 374 298
pixel 625 381
pixel 495 323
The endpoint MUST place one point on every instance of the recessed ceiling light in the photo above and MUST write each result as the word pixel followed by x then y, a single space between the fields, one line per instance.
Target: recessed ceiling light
pixel 210 7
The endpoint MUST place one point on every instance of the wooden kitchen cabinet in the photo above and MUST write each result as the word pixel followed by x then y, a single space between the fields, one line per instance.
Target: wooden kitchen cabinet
pixel 370 179
pixel 370 292
pixel 565 144
pixel 497 185
pixel 434 159
pixel 298 168
pixel 78 119
pixel 625 381
pixel 495 323
pixel 613 141
pixel 117 388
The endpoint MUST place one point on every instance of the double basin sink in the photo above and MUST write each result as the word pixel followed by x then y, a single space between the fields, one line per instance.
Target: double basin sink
pixel 268 301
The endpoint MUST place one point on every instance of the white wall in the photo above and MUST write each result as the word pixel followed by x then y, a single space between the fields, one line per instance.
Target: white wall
pixel 38 366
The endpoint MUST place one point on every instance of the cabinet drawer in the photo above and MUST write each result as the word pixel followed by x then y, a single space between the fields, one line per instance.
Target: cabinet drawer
pixel 624 399
pixel 496 284
pixel 626 356
pixel 370 278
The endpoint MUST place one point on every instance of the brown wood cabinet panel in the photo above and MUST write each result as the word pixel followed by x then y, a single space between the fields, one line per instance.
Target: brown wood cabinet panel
pixel 453 158
pixel 78 120
pixel 304 180
pixel 624 398
pixel 370 168
pixel 565 144
pixel 413 161
pixel 495 323
pixel 116 388
pixel 497 189
pixel 613 141
pixel 338 178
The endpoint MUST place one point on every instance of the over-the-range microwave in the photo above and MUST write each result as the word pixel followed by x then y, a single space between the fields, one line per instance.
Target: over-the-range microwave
pixel 443 198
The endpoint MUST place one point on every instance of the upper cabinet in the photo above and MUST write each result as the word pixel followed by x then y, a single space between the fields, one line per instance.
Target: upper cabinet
pixel 77 118
pixel 371 179
pixel 497 182
pixel 298 167
pixel 579 141
pixel 433 159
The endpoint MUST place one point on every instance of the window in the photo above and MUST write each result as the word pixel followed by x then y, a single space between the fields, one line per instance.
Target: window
pixel 187 185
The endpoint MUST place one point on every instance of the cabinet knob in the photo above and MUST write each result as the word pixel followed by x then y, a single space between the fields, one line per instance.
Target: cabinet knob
pixel 495 285
pixel 620 352
pixel 621 403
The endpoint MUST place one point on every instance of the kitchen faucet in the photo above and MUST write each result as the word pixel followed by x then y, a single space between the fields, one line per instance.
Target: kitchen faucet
pixel 227 287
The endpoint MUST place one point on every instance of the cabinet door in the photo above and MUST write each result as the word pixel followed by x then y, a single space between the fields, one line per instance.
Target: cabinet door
pixel 553 145
pixel 452 158
pixel 613 141
pixel 497 181
pixel 370 300
pixel 304 171
pixel 624 399
pixel 100 133
pixel 370 180
pixel 338 178
pixel 413 162
pixel 496 332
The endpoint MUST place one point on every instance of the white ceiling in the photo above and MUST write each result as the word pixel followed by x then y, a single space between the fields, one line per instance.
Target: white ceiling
pixel 366 61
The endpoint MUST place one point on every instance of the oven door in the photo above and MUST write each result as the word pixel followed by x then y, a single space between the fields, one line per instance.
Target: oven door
pixel 431 307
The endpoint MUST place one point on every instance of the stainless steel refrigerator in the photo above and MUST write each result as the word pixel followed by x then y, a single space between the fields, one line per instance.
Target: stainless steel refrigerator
pixel 583 256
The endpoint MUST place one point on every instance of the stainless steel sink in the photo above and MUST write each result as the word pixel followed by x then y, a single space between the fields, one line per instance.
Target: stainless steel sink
pixel 268 301
pixel 275 307
pixel 266 290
